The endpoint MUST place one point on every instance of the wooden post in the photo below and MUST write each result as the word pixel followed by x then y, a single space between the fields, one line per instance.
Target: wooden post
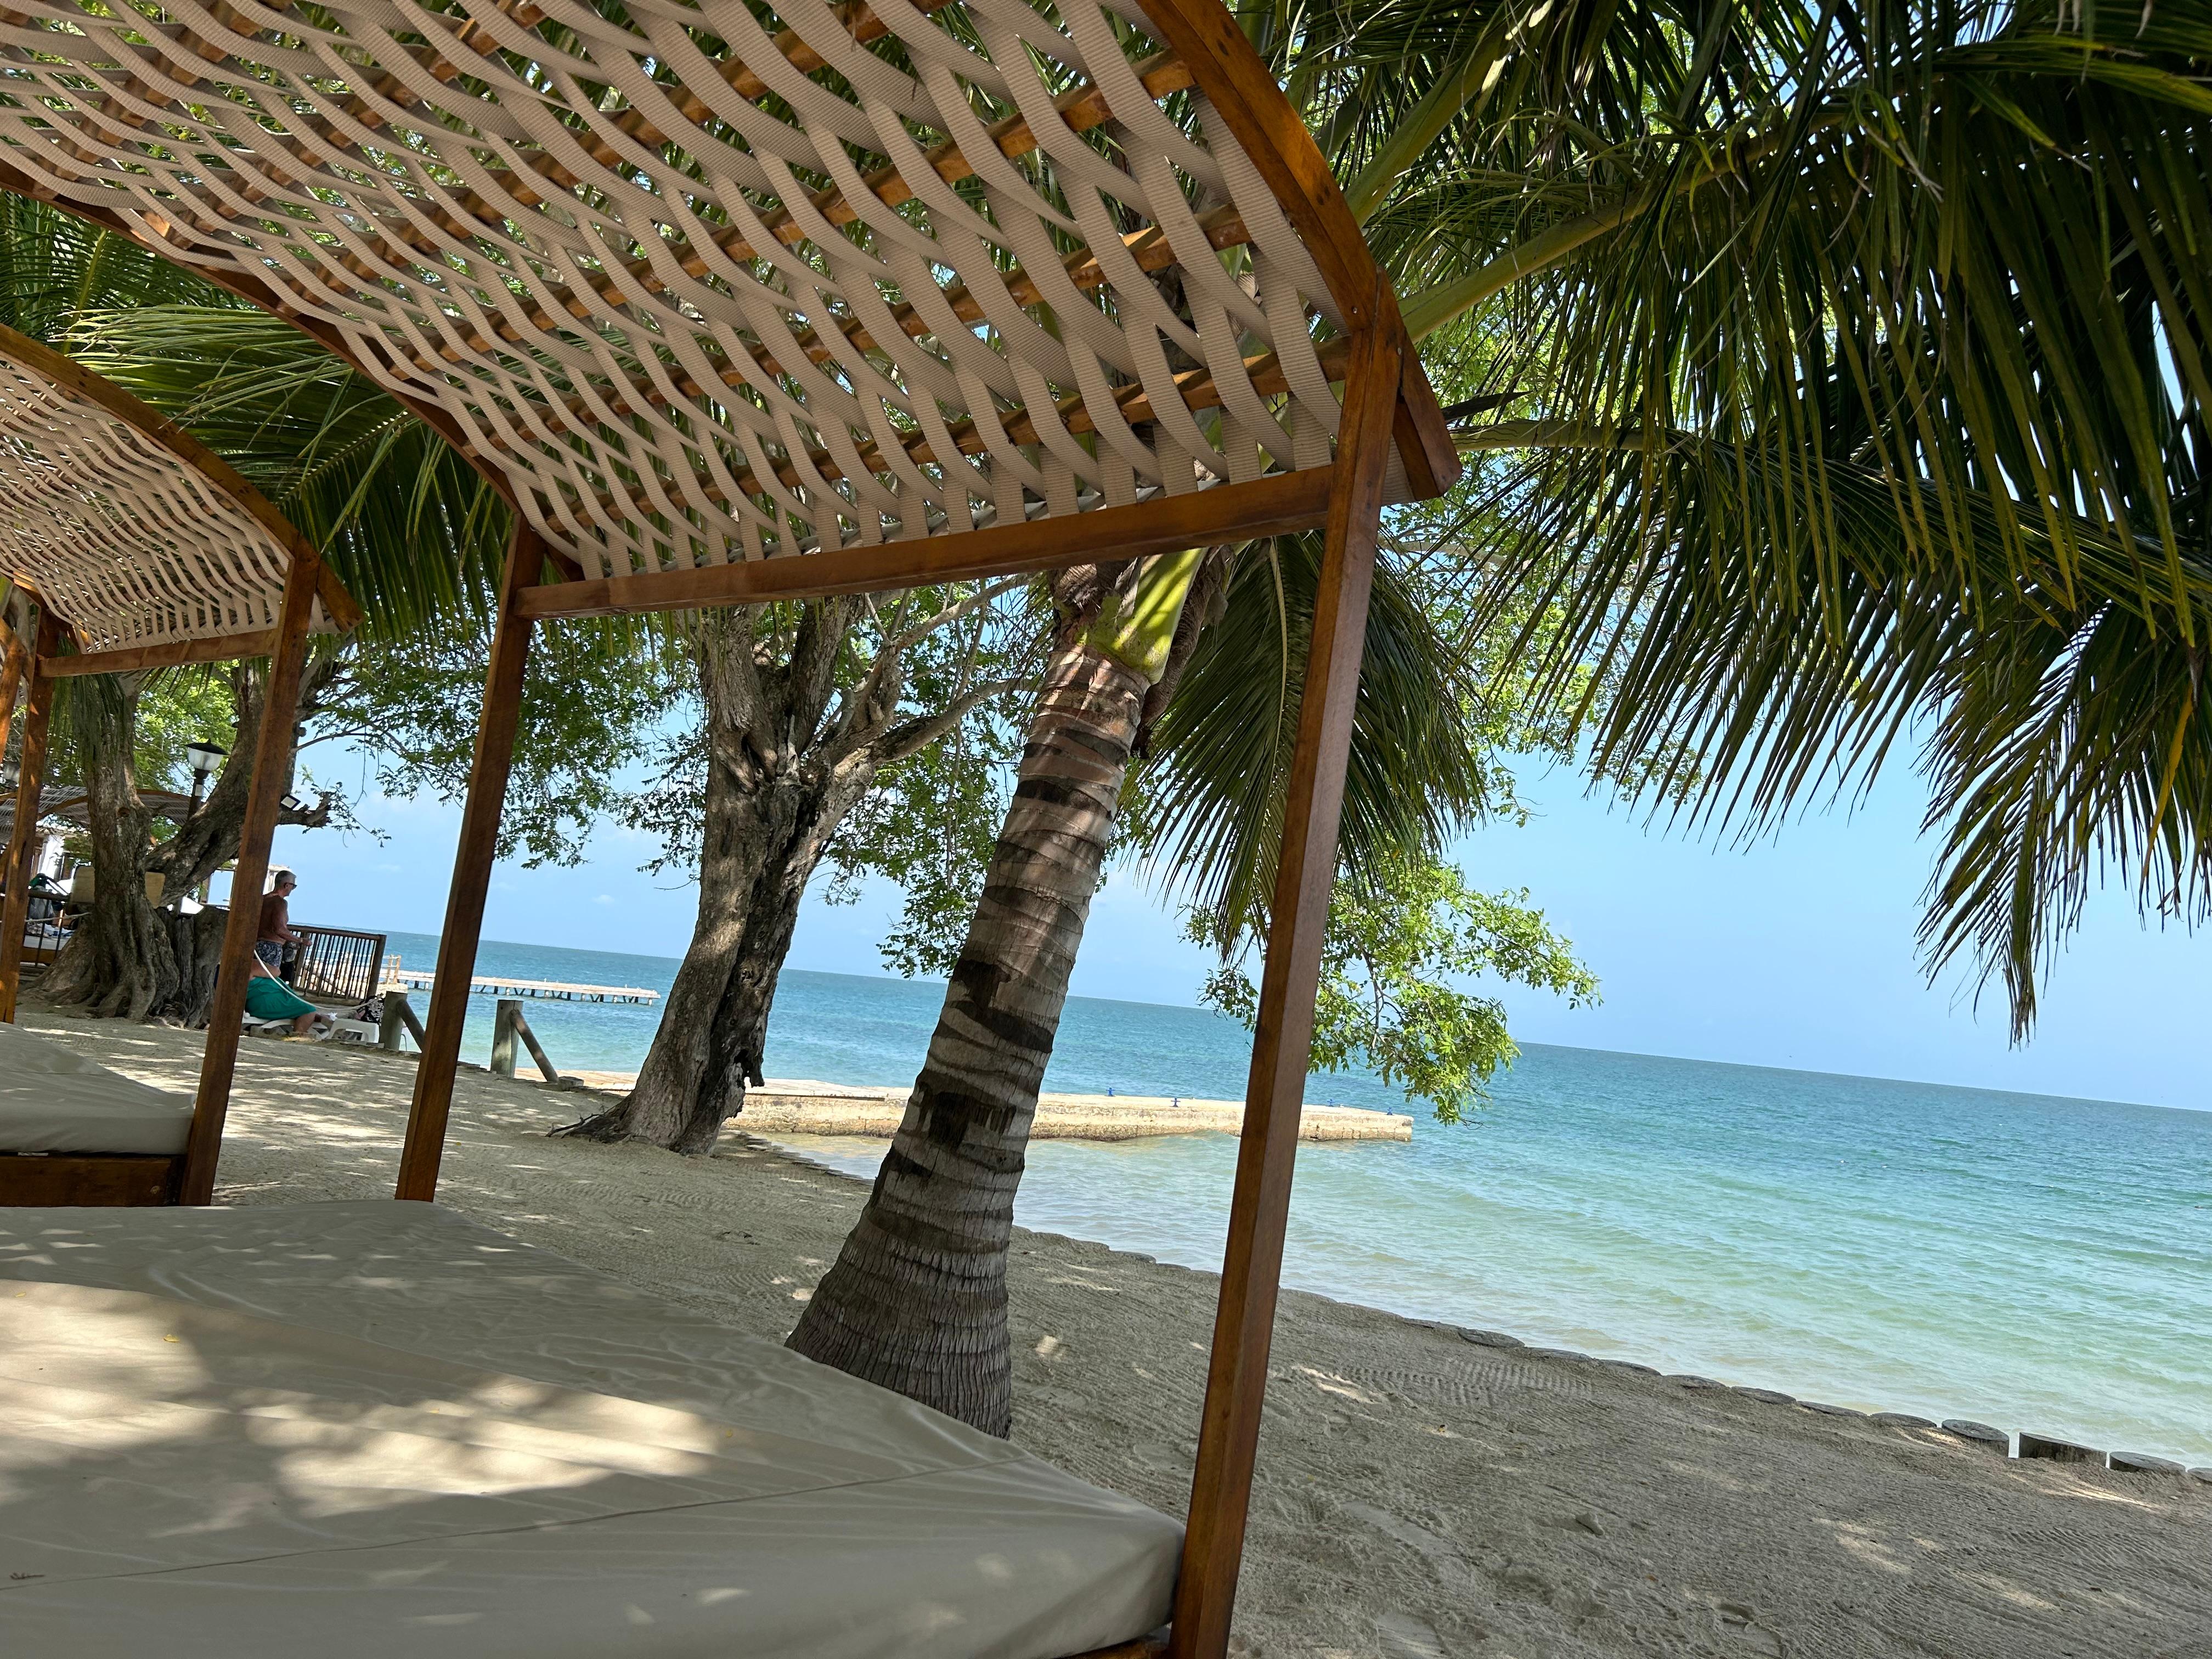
pixel 1282 1048
pixel 472 862
pixel 11 678
pixel 389 1030
pixel 38 713
pixel 506 1014
pixel 536 1049
pixel 412 1026
pixel 265 797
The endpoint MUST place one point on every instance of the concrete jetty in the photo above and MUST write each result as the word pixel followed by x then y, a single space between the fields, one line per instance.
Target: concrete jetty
pixel 806 1108
pixel 422 979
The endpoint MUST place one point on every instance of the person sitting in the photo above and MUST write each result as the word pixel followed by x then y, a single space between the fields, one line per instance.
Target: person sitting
pixel 268 998
pixel 278 936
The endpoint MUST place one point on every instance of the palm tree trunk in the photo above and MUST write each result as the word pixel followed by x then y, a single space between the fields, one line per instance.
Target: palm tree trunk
pixel 917 1298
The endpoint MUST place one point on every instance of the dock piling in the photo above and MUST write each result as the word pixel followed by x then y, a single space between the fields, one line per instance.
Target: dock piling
pixel 530 1041
pixel 507 1016
pixel 399 1016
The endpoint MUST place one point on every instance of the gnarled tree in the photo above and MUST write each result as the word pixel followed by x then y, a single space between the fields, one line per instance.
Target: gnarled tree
pixel 803 706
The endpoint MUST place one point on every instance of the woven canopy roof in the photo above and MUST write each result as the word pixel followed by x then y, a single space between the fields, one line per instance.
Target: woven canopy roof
pixel 135 535
pixel 704 283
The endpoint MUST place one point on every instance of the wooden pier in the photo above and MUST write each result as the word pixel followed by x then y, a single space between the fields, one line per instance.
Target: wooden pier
pixel 418 979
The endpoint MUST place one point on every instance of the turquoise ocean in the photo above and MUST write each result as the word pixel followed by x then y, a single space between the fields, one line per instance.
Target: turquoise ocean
pixel 2028 1260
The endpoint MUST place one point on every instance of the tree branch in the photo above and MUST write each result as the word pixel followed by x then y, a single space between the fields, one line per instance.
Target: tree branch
pixel 911 737
pixel 983 595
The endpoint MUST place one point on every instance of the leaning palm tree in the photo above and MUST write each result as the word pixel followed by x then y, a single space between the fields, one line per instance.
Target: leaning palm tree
pixel 917 1300
pixel 1854 367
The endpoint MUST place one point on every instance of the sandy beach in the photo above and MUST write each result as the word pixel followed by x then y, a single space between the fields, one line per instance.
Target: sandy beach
pixel 1420 1494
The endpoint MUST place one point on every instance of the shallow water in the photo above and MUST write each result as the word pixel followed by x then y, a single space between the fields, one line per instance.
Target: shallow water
pixel 2031 1261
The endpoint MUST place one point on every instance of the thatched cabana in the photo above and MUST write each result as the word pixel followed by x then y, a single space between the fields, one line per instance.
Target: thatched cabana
pixel 736 305
pixel 142 549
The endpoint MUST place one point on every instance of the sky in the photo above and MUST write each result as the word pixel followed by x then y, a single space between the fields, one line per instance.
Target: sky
pixel 1796 952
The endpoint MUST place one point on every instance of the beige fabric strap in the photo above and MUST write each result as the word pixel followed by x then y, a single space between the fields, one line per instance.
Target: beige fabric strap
pixel 706 287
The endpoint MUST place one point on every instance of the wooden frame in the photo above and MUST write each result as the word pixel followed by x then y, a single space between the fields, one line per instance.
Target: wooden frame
pixel 119 1178
pixel 1267 507
pixel 30 781
pixel 1349 502
pixel 1389 409
pixel 138 659
pixel 57 1180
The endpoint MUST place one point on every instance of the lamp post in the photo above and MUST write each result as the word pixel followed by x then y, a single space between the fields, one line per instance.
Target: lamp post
pixel 203 759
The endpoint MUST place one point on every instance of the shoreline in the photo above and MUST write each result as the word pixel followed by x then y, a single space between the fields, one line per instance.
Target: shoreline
pixel 789 1134
pixel 2014 1444
pixel 1419 1493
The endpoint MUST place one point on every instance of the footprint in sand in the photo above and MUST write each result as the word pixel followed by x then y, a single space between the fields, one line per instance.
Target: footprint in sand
pixel 1751 1636
pixel 1404 1637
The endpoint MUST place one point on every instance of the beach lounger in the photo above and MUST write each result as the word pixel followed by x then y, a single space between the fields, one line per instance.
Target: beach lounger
pixel 355 1429
pixel 72 1132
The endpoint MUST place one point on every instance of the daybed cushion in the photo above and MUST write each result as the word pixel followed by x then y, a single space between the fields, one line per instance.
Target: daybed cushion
pixel 350 1430
pixel 54 1100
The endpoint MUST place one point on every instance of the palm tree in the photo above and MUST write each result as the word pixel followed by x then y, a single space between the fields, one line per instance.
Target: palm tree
pixel 1857 363
pixel 916 1300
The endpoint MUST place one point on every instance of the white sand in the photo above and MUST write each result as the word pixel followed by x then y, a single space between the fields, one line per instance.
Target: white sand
pixel 1419 1495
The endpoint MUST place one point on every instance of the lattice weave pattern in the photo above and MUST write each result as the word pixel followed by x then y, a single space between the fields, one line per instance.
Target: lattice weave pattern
pixel 706 282
pixel 128 544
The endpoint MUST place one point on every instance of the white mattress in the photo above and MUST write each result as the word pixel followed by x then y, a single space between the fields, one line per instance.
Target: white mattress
pixel 54 1100
pixel 356 1431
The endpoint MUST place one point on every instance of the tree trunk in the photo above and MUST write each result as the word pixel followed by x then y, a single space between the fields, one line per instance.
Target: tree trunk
pixel 759 852
pixel 125 961
pixel 118 963
pixel 775 793
pixel 196 942
pixel 917 1298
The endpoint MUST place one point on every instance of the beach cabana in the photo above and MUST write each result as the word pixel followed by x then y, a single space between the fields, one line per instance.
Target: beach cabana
pixel 737 304
pixel 139 549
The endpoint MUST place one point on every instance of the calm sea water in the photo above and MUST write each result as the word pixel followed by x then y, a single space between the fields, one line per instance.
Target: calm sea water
pixel 2031 1261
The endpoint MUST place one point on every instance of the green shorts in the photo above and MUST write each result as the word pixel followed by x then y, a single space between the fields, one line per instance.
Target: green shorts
pixel 271 999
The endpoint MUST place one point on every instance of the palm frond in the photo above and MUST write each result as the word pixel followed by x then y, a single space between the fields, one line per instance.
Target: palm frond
pixel 1218 768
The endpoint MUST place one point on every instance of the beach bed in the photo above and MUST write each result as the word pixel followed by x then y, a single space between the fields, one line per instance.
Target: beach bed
pixel 353 1429
pixel 72 1132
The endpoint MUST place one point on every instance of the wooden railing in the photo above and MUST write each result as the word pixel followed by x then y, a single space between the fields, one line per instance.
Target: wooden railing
pixel 337 963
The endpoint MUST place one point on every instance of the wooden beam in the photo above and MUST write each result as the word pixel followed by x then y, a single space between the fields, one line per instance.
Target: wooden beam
pixel 12 658
pixel 425 1146
pixel 101 1180
pixel 1282 1048
pixel 272 769
pixel 1266 506
pixel 1237 81
pixel 150 424
pixel 38 713
pixel 174 654
pixel 1424 439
